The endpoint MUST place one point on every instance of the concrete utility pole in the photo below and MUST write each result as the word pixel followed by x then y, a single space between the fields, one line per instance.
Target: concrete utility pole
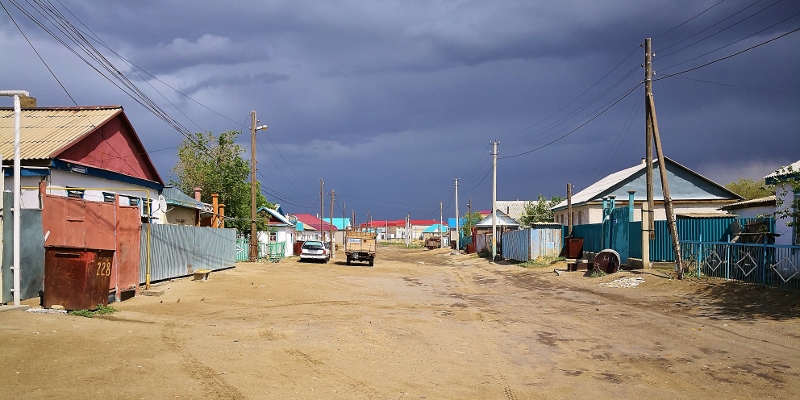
pixel 494 199
pixel 253 256
pixel 458 228
pixel 330 226
pixel 648 154
pixel 321 200
pixel 17 202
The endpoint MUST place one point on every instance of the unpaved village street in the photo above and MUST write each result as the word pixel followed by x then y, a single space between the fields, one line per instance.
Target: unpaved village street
pixel 418 325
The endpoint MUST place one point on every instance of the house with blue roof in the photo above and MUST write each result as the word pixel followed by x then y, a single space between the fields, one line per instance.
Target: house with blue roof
pixel 692 194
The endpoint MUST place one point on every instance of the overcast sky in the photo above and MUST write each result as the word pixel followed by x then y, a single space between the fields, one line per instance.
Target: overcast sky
pixel 388 101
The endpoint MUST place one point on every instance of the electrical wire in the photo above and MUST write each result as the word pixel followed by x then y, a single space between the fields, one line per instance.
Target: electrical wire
pixel 729 56
pixel 688 20
pixel 578 127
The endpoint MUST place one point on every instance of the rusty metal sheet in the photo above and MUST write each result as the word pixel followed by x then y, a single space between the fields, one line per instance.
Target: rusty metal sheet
pixel 76 279
pixel 99 226
pixel 125 272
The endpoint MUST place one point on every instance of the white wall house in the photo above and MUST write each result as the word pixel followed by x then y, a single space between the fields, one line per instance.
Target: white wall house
pixel 785 180
pixel 691 194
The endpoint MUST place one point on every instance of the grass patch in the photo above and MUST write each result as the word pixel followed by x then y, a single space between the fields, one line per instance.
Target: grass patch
pixel 597 274
pixel 540 262
pixel 101 310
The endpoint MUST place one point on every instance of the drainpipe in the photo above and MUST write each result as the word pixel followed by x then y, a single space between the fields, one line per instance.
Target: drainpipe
pixel 215 208
pixel 630 205
pixel 17 221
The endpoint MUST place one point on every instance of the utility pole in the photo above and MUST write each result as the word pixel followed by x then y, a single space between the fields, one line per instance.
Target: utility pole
pixel 569 209
pixel 330 226
pixel 321 215
pixel 344 207
pixel 494 200
pixel 648 154
pixel 653 136
pixel 469 215
pixel 253 254
pixel 458 228
pixel 441 224
pixel 647 223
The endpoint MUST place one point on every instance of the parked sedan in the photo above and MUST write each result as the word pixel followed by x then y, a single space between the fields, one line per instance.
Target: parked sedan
pixel 314 250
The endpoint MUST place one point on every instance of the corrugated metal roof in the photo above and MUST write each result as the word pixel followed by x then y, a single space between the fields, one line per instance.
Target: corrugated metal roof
pixel 46 131
pixel 762 201
pixel 501 220
pixel 514 208
pixel 596 190
pixel 175 197
pixel 789 170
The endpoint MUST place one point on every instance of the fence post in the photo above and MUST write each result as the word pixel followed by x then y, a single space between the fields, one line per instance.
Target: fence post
pixel 700 265
pixel 728 259
pixel 764 263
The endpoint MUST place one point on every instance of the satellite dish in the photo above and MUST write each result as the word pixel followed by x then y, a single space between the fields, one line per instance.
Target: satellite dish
pixel 162 203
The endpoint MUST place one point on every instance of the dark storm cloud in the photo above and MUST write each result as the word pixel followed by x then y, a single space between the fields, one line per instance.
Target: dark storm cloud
pixel 415 90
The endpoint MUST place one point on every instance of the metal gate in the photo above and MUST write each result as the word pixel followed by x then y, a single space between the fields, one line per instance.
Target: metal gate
pixel 619 230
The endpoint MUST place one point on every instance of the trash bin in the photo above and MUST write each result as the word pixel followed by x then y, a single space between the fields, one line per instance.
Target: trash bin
pixel 573 248
pixel 77 279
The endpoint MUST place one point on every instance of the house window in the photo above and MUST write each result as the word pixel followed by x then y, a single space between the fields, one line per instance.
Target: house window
pixel 273 237
pixel 108 197
pixel 74 193
pixel 133 201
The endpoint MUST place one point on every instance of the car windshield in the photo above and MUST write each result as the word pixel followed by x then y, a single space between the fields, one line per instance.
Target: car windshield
pixel 312 245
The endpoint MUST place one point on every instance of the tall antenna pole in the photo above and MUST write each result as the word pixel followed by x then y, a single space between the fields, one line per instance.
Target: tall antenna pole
pixel 458 228
pixel 494 200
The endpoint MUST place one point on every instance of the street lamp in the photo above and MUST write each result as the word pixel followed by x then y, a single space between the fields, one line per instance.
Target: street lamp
pixel 253 256
pixel 16 94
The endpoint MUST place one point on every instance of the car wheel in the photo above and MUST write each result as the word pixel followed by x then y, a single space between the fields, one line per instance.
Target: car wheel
pixel 348 260
pixel 371 262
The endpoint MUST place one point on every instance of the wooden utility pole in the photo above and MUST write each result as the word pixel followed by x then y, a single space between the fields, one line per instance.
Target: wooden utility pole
pixel 469 216
pixel 441 224
pixel 253 234
pixel 569 209
pixel 662 169
pixel 330 226
pixel 321 215
pixel 458 228
pixel 494 200
pixel 653 136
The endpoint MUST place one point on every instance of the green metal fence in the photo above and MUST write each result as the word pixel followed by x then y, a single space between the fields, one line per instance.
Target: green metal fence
pixel 272 252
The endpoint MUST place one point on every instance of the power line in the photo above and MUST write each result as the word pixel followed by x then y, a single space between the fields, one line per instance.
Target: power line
pixel 579 126
pixel 729 56
pixel 688 20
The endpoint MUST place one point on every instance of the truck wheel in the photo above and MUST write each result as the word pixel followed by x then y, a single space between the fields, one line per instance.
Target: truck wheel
pixel 371 262
pixel 348 260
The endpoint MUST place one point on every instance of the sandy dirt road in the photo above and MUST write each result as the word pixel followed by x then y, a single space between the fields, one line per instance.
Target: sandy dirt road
pixel 418 325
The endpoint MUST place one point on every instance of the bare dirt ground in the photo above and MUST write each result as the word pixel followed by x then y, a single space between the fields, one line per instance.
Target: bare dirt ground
pixel 418 325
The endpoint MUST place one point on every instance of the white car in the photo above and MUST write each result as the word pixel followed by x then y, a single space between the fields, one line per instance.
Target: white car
pixel 314 250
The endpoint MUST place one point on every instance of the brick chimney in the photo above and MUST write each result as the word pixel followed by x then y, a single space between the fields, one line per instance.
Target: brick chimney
pixel 197 193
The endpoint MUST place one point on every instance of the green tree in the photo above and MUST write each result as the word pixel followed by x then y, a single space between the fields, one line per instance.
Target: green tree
pixel 470 220
pixel 215 164
pixel 539 210
pixel 785 184
pixel 749 189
